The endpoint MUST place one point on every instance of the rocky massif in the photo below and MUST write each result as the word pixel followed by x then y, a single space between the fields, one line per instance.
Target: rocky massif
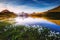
pixel 53 13
pixel 7 14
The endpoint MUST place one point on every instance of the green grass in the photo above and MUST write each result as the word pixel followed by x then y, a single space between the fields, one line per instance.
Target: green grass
pixel 10 32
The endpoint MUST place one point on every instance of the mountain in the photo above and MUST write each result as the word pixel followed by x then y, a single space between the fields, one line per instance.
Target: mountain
pixel 7 14
pixel 53 13
pixel 56 9
pixel 5 11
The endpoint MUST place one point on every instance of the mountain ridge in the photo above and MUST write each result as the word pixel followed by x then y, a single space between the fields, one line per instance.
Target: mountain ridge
pixel 56 9
pixel 7 14
pixel 53 13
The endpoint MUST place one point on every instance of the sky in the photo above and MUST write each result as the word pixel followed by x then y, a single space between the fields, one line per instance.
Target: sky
pixel 28 6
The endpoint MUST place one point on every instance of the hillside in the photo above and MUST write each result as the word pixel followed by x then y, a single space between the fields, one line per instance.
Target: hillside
pixel 57 9
pixel 53 13
pixel 7 14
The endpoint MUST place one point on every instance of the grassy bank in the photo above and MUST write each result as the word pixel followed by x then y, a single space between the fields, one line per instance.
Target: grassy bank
pixel 10 32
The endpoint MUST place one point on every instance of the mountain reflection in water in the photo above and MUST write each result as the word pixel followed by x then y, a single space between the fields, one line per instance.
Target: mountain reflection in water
pixel 36 21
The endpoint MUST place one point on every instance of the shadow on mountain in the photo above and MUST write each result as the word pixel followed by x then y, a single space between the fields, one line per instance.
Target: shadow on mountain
pixel 53 15
pixel 7 14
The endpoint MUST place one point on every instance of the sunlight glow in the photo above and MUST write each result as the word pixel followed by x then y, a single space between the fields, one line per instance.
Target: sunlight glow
pixel 21 8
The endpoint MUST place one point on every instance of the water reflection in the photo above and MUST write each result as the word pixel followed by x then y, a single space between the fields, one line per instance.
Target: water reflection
pixel 35 21
pixel 29 20
pixel 10 20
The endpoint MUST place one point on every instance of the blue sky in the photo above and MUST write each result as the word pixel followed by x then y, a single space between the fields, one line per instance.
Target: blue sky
pixel 28 5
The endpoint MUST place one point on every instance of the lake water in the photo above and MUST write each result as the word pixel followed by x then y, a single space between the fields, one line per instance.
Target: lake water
pixel 37 21
pixel 51 24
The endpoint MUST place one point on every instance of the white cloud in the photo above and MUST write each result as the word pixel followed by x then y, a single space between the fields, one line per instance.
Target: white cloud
pixel 41 2
pixel 21 8
pixel 17 9
pixel 2 6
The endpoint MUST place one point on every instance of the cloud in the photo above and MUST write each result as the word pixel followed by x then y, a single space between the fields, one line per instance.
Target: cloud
pixel 17 9
pixel 47 2
pixel 41 2
pixel 22 8
pixel 2 6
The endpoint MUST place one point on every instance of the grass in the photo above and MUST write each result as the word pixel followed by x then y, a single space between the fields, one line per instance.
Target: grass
pixel 20 32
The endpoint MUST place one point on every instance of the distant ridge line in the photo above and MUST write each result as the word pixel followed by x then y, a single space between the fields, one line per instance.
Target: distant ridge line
pixel 56 9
